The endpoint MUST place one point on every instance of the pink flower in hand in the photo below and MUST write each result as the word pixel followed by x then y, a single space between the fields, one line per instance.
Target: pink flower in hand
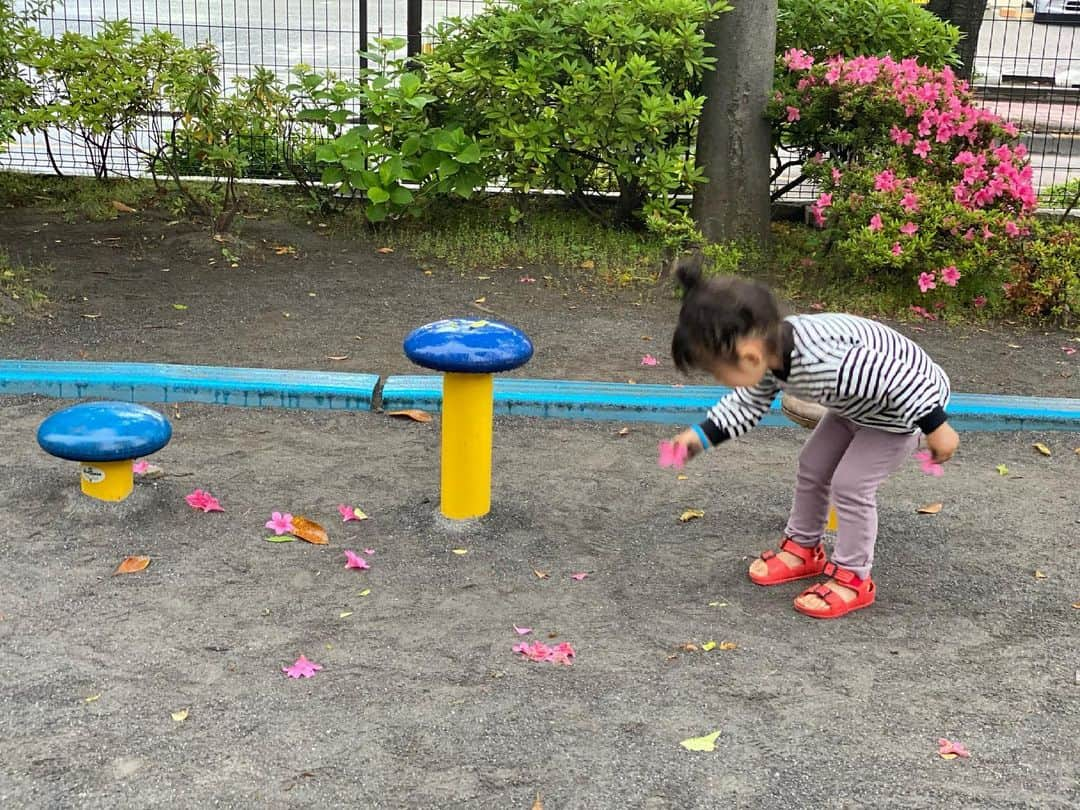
pixel 926 282
pixel 672 455
pixel 950 275
pixel 929 466
pixel 203 501
pixel 302 668
pixel 281 523
pixel 353 561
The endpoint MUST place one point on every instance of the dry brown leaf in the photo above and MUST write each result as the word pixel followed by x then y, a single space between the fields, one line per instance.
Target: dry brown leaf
pixel 624 431
pixel 91 317
pixel 337 357
pixel 688 647
pixel 538 805
pixel 1076 605
pixel 123 209
pixel 384 250
pixel 310 531
pixel 541 574
pixel 690 514
pixel 682 477
pixel 1042 448
pixel 930 509
pixel 132 564
pixel 727 645
pixel 482 299
pixel 414 414
pixel 1039 574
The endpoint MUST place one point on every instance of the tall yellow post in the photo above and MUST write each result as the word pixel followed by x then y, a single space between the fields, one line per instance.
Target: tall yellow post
pixel 466 445
pixel 106 480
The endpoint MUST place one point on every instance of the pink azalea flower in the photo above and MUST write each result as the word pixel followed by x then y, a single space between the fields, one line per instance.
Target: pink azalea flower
pixel 926 282
pixel 836 176
pixel 987 233
pixel 302 668
pixel 1011 229
pixel 353 561
pixel 950 275
pixel 281 523
pixel 792 114
pixel 908 228
pixel 350 513
pixel 969 235
pixel 910 202
pixel 875 223
pixel 649 360
pixel 797 59
pixel 979 301
pixel 538 651
pixel 672 455
pixel 922 148
pixel 203 501
pixel 896 249
pixel 886 181
pixel 824 201
pixel 901 137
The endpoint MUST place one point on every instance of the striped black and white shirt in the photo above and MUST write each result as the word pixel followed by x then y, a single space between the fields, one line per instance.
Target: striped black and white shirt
pixel 859 369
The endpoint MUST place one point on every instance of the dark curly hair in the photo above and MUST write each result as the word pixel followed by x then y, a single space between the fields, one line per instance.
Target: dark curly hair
pixel 716 313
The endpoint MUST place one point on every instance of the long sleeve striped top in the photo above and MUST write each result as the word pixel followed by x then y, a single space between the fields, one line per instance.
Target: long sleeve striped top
pixel 858 368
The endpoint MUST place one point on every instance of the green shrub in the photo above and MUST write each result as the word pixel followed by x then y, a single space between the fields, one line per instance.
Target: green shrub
pixel 1046 275
pixel 586 96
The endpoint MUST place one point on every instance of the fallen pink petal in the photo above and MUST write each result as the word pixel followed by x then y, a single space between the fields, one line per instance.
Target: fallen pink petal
pixel 302 668
pixel 354 561
pixel 522 631
pixel 280 523
pixel 539 651
pixel 1069 350
pixel 203 501
pixel 140 467
pixel 948 747
pixel 649 360
pixel 580 576
pixel 347 512
pixel 369 551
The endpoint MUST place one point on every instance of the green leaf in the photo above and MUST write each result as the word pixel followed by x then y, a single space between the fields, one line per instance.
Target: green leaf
pixel 411 145
pixel 332 175
pixel 376 212
pixel 401 196
pixel 706 743
pixel 325 153
pixel 470 154
pixel 448 167
pixel 285 538
pixel 377 194
pixel 409 83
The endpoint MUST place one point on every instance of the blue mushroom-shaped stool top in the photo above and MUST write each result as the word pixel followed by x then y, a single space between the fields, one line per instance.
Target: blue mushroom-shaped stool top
pixel 468 346
pixel 104 431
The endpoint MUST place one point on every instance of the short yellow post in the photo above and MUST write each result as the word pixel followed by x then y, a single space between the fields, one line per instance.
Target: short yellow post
pixel 107 480
pixel 466 445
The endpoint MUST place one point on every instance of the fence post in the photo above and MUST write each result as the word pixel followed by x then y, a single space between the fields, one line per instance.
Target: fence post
pixel 413 24
pixel 363 33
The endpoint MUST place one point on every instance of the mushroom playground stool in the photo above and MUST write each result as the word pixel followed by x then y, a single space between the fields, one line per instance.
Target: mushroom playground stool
pixel 468 352
pixel 105 438
pixel 807 415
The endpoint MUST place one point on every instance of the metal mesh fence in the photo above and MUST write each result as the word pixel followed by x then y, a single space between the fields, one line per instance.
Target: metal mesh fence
pixel 1027 67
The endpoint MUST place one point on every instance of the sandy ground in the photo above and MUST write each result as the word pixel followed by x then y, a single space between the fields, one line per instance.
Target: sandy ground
pixel 422 703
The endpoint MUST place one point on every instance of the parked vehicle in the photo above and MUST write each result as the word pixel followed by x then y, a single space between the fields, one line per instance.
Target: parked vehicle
pixel 1057 11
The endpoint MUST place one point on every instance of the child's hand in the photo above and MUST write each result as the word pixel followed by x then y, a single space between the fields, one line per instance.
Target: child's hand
pixel 689 439
pixel 943 443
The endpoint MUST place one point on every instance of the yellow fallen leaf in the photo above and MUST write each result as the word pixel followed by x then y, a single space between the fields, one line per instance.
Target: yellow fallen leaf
pixel 717 604
pixel 284 250
pixel 337 357
pixel 538 805
pixel 364 592
pixel 1042 448
pixel 92 698
pixel 414 414
pixel 123 209
pixel 541 574
pixel 1002 469
pixel 708 645
pixel 309 531
pixel 131 564
pixel 1076 605
pixel 682 477
pixel 1039 574
pixel 179 307
pixel 624 431
pixel 480 300
pixel 728 645
pixel 947 756
pixel 360 514
pixel 180 716
pixel 459 551
pixel 690 514
pixel 706 743
pixel 930 509
pixel 345 614
pixel 384 250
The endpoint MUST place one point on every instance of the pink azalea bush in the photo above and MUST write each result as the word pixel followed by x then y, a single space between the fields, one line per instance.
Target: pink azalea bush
pixel 918 185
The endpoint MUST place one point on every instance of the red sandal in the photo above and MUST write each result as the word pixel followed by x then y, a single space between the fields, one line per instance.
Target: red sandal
pixel 813 563
pixel 865 593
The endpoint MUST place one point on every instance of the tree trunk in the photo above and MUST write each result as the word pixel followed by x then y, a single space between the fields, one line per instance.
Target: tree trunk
pixel 967 15
pixel 734 139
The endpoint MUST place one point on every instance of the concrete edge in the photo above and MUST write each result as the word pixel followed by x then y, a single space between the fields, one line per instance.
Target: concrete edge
pixel 216 385
pixel 558 399
pixel 668 404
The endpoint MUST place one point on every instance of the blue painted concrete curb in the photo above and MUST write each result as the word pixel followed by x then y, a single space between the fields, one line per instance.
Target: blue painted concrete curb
pixel 670 404
pixel 159 382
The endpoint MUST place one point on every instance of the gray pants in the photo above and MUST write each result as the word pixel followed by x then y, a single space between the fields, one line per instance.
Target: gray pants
pixel 848 462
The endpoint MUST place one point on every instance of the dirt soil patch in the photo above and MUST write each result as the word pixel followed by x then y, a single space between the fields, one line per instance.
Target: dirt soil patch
pixel 140 288
pixel 423 704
